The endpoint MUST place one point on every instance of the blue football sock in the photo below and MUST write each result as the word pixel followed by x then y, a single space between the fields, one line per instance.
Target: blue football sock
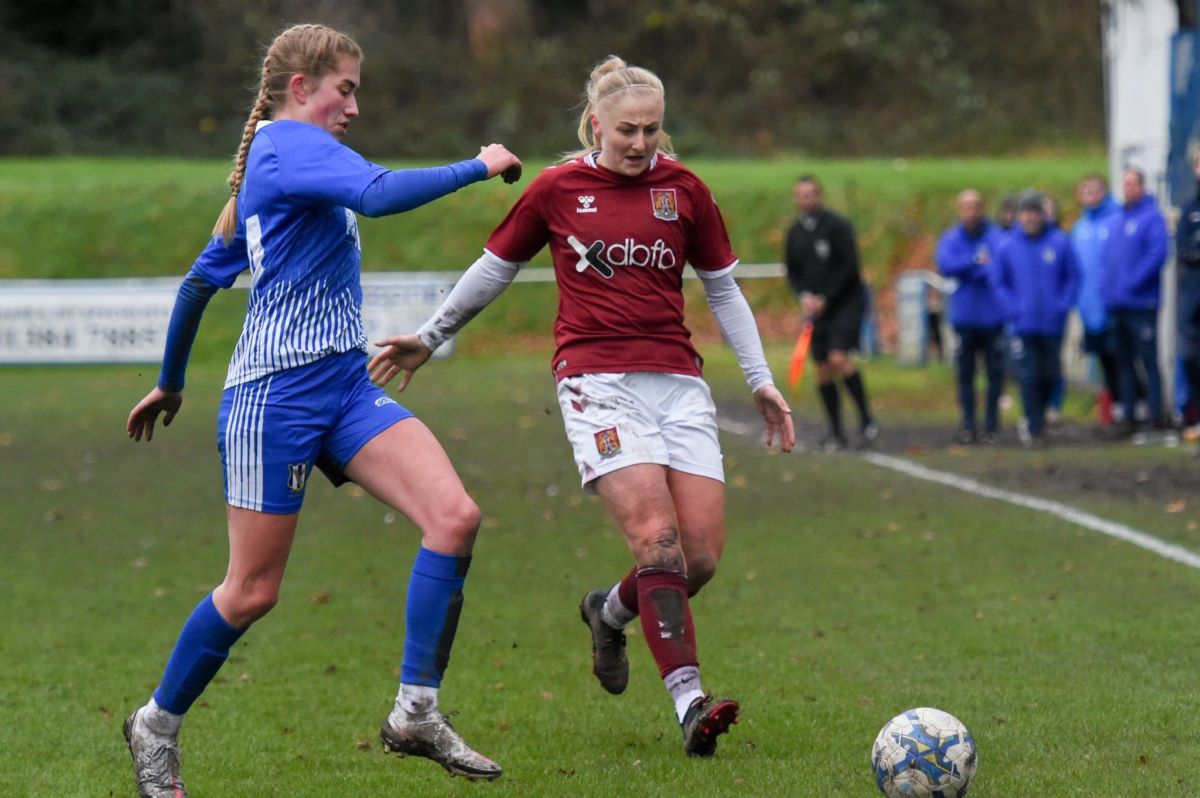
pixel 202 648
pixel 431 617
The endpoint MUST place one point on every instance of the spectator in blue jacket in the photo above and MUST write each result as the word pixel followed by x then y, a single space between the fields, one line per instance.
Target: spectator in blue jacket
pixel 1089 237
pixel 1133 261
pixel 1054 404
pixel 966 253
pixel 1007 218
pixel 1187 253
pixel 1037 280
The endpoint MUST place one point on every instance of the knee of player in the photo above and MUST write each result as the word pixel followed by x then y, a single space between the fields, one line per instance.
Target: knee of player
pixel 700 571
pixel 661 549
pixel 247 603
pixel 459 520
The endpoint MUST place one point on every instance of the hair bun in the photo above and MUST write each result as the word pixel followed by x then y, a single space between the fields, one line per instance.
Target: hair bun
pixel 610 64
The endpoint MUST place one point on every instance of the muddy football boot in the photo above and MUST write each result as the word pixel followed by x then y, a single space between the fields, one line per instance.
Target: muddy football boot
pixel 434 738
pixel 155 760
pixel 609 662
pixel 706 718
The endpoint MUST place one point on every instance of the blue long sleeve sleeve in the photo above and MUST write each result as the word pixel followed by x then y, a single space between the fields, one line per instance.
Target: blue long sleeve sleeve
pixel 405 189
pixel 194 293
pixel 1148 265
pixel 1072 281
pixel 954 258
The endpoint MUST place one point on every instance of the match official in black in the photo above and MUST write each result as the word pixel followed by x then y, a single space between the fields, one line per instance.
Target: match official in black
pixel 823 269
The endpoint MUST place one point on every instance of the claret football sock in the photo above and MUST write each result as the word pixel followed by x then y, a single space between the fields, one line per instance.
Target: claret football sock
pixel 617 613
pixel 667 619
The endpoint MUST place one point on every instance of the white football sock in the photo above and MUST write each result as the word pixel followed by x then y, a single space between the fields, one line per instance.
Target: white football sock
pixel 414 702
pixel 614 613
pixel 160 721
pixel 684 686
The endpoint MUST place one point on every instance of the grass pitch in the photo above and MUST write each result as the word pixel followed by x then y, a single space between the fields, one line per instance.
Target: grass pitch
pixel 847 594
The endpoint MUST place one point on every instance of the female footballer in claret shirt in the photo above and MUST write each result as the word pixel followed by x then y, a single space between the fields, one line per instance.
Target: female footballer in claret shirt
pixel 622 218
pixel 298 394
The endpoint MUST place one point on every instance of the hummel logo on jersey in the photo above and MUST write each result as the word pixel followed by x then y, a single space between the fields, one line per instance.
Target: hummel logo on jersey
pixel 585 204
pixel 603 257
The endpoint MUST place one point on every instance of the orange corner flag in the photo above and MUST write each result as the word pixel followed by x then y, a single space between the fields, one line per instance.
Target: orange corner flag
pixel 800 355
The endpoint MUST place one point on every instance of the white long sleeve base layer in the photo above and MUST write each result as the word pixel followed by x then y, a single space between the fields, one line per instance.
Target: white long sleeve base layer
pixel 728 304
pixel 488 276
pixel 485 280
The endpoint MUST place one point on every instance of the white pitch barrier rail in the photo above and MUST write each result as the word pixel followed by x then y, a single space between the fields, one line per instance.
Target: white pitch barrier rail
pixel 125 320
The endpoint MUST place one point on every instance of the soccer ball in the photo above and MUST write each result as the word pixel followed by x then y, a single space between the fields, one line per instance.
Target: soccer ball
pixel 924 753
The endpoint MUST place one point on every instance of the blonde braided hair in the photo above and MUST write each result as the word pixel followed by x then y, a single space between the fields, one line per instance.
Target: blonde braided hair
pixel 310 50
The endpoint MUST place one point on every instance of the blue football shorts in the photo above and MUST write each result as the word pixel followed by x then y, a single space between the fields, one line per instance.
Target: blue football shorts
pixel 273 430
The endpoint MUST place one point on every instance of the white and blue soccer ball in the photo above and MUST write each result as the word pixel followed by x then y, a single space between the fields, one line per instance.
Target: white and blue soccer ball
pixel 924 753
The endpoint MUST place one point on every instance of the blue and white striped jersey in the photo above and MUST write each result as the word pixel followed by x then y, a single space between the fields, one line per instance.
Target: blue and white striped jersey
pixel 298 235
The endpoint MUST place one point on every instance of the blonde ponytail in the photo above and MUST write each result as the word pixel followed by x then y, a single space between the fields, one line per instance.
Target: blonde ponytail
pixel 311 50
pixel 610 76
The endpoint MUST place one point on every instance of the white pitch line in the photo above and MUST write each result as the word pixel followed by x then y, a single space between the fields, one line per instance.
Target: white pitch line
pixel 1119 531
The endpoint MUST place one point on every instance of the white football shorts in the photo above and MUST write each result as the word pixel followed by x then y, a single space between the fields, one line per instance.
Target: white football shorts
pixel 618 420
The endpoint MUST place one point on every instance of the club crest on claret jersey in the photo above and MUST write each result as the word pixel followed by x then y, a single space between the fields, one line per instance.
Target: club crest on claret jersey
pixel 608 444
pixel 662 200
pixel 296 474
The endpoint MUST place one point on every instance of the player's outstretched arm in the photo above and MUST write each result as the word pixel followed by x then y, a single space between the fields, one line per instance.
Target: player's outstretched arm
pixel 400 354
pixel 499 161
pixel 484 281
pixel 775 411
pixel 146 412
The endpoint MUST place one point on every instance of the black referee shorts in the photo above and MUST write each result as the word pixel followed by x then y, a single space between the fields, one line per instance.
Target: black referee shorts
pixel 838 328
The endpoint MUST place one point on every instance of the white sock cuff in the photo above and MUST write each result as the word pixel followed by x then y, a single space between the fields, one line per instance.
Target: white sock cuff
pixel 614 612
pixel 159 720
pixel 417 700
pixel 684 686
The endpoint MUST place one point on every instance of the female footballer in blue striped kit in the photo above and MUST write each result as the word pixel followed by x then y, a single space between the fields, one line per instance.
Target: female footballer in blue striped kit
pixel 298 394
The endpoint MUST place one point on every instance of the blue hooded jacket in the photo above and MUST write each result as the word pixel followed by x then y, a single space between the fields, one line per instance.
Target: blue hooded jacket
pixel 1134 257
pixel 1089 236
pixel 1037 280
pixel 969 259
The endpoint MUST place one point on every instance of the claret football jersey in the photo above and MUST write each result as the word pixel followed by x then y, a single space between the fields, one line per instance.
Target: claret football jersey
pixel 619 246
